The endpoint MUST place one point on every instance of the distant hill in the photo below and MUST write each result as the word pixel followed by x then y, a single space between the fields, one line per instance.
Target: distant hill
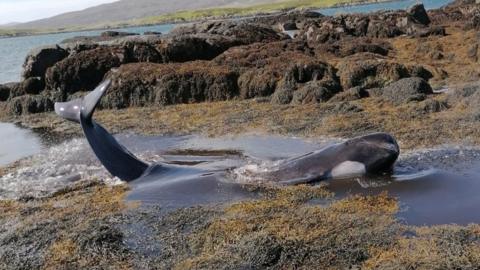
pixel 125 10
pixel 9 24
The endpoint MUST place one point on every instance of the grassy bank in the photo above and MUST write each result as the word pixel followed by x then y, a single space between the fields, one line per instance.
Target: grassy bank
pixel 247 11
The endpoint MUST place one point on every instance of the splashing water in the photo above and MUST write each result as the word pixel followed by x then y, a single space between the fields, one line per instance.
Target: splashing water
pixel 51 170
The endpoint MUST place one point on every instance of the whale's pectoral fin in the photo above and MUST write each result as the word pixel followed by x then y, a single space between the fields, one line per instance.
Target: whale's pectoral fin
pixel 116 158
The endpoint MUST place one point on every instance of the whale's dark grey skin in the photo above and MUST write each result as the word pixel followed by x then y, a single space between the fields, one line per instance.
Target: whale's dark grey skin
pixel 373 153
pixel 116 158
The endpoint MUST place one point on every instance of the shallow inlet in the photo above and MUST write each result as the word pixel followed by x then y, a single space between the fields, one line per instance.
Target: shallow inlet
pixel 383 6
pixel 438 186
pixel 17 143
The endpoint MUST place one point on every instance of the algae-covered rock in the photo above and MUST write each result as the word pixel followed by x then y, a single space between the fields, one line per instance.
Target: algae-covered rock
pixel 406 90
pixel 142 84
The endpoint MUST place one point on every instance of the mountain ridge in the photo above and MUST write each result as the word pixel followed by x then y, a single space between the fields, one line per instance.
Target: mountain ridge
pixel 126 10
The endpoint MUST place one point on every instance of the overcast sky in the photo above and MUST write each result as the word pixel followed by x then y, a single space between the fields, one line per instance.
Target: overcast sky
pixel 28 10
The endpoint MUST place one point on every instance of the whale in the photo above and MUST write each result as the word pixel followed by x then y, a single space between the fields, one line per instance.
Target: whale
pixel 370 154
pixel 373 154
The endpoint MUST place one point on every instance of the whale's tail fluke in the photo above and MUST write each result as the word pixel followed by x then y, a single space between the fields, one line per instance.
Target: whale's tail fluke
pixel 116 158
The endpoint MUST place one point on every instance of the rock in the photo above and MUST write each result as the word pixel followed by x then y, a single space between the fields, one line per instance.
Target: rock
pixel 378 28
pixel 418 14
pixel 430 31
pixel 387 24
pixel 351 94
pixel 142 84
pixel 266 68
pixel 257 83
pixel 374 92
pixel 303 83
pixel 350 46
pixel 33 85
pixel 282 96
pixel 29 104
pixel 39 60
pixel 345 108
pixel 372 73
pixel 466 93
pixel 315 71
pixel 261 55
pixel 312 92
pixel 359 46
pixel 299 17
pixel 4 92
pixel 141 52
pixel 103 37
pixel 16 89
pixel 152 33
pixel 472 52
pixel 83 71
pixel 288 26
pixel 432 106
pixel 473 22
pixel 116 34
pixel 74 48
pixel 242 32
pixel 406 90
pixel 193 47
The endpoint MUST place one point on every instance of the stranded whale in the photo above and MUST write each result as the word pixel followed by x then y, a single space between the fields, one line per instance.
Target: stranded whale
pixel 371 154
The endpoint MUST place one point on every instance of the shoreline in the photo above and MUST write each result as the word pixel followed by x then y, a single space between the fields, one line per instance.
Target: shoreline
pixel 178 22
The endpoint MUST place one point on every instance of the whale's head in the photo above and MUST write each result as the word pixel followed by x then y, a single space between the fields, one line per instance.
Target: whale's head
pixel 378 152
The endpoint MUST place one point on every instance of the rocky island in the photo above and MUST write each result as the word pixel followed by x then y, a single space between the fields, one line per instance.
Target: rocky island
pixel 411 73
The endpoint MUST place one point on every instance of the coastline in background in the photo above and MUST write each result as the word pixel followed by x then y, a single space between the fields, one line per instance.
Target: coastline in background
pixel 14 50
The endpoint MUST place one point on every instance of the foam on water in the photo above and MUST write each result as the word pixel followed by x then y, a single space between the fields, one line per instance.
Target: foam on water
pixel 51 170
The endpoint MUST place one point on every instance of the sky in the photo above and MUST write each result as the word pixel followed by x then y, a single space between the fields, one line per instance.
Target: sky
pixel 29 10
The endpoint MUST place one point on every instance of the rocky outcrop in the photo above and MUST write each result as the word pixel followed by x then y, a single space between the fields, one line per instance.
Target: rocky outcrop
pixel 104 36
pixel 463 13
pixel 39 60
pixel 407 90
pixel 83 71
pixel 351 94
pixel 469 94
pixel 4 92
pixel 142 84
pixel 418 14
pixel 331 59
pixel 32 86
pixel 279 66
pixel 350 46
pixel 375 25
pixel 313 92
pixel 244 33
pixel 29 104
pixel 83 62
pixel 193 47
pixel 371 72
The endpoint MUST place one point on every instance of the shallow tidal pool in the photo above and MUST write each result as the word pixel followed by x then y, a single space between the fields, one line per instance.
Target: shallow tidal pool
pixel 433 186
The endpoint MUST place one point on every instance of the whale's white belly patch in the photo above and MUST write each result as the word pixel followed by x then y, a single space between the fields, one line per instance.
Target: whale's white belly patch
pixel 348 169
